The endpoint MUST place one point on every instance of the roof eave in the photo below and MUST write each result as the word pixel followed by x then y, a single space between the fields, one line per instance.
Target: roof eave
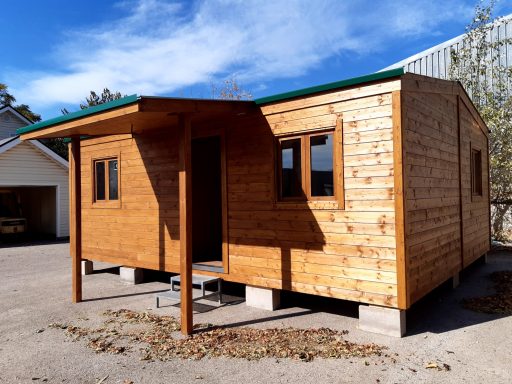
pixel 78 115
pixel 378 76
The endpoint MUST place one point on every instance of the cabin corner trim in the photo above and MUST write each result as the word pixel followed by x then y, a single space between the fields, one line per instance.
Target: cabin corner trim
pixel 399 170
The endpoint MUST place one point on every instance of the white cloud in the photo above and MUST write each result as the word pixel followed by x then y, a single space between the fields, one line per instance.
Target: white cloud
pixel 161 47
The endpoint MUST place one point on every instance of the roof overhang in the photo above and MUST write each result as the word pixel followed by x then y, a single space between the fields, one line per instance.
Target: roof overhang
pixel 136 115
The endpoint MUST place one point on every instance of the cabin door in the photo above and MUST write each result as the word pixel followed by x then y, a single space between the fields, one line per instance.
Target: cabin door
pixel 207 200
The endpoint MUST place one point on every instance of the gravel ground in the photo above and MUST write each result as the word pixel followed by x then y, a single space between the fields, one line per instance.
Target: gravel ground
pixel 35 291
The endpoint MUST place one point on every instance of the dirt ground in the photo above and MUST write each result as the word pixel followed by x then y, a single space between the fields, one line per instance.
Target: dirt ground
pixel 35 291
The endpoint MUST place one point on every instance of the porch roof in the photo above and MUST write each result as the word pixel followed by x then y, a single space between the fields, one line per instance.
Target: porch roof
pixel 134 114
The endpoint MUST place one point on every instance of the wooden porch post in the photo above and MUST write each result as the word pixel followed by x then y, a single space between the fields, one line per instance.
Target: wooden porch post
pixel 185 187
pixel 75 219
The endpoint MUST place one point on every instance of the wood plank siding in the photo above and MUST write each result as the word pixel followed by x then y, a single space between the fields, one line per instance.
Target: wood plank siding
pixel 439 130
pixel 403 218
pixel 314 248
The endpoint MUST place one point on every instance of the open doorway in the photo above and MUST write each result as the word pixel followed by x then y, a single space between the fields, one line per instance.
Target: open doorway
pixel 28 213
pixel 207 204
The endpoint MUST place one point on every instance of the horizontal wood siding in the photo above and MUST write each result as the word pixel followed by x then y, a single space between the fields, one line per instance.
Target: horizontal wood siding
pixel 475 209
pixel 144 230
pixel 431 191
pixel 317 249
pixel 348 254
pixel 438 186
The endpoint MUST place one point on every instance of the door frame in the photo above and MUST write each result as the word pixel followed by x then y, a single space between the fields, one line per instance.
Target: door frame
pixel 204 132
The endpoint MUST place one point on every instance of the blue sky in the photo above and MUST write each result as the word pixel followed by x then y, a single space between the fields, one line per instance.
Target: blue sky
pixel 54 52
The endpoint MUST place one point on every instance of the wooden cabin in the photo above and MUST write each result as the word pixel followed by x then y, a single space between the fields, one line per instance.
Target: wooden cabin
pixel 373 189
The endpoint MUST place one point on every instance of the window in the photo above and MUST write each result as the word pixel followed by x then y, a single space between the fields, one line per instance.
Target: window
pixel 291 168
pixel 476 172
pixel 106 180
pixel 322 165
pixel 307 167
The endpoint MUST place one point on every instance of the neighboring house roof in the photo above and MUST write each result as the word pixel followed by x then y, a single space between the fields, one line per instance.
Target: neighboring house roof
pixel 6 108
pixel 264 100
pixel 7 140
pixel 12 142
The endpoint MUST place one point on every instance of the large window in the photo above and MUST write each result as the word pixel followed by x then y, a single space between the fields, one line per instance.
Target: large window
pixel 307 167
pixel 106 180
pixel 476 172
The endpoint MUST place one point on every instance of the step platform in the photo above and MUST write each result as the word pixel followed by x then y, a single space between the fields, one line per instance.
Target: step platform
pixel 197 281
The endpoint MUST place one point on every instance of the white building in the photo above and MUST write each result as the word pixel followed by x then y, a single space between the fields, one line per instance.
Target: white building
pixel 435 61
pixel 36 175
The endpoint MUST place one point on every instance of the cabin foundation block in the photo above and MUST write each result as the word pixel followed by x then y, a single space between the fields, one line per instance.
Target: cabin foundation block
pixel 386 321
pixel 131 275
pixel 87 267
pixel 262 298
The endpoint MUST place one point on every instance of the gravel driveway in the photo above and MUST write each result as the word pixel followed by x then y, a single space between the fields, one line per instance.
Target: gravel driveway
pixel 35 291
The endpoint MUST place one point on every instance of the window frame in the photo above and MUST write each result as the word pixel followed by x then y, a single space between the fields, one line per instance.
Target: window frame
pixel 336 201
pixel 477 189
pixel 107 203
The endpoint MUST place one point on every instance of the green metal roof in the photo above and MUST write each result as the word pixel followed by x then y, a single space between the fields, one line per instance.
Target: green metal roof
pixel 329 86
pixel 263 100
pixel 79 114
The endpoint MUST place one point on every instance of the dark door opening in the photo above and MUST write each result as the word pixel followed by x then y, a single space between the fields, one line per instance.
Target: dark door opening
pixel 206 204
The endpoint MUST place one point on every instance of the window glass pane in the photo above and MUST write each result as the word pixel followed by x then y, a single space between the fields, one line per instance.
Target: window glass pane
pixel 291 180
pixel 100 180
pixel 322 174
pixel 112 180
pixel 476 172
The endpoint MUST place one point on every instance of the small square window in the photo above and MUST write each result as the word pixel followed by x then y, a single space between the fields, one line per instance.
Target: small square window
pixel 476 172
pixel 106 180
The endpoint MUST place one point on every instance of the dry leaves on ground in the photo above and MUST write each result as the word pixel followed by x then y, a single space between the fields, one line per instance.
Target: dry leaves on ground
pixel 499 303
pixel 124 328
pixel 438 366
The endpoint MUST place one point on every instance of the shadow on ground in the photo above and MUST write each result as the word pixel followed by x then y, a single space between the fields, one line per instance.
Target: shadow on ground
pixel 442 311
pixel 438 312
pixel 27 239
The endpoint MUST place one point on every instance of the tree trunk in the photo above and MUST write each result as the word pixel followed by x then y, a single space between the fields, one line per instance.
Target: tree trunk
pixel 499 218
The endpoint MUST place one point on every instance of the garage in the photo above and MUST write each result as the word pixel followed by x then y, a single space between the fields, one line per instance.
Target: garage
pixel 34 195
pixel 29 212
